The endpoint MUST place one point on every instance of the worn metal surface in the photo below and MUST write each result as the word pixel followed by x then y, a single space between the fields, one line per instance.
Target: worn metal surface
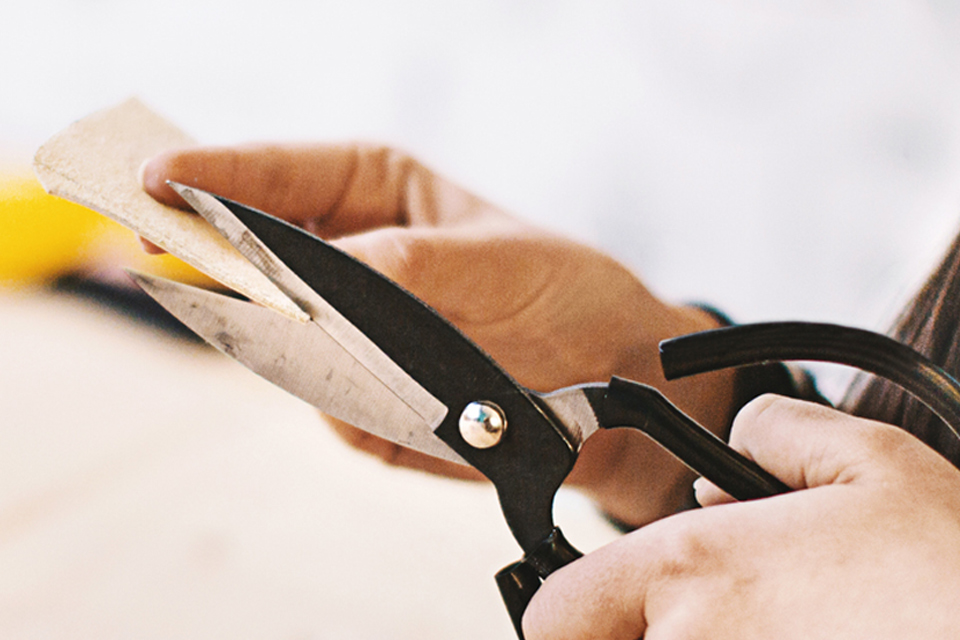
pixel 301 358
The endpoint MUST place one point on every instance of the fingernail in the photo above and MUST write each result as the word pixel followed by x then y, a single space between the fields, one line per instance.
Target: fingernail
pixel 699 484
pixel 141 171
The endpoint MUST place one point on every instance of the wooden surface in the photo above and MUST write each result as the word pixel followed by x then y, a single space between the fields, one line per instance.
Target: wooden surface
pixel 154 489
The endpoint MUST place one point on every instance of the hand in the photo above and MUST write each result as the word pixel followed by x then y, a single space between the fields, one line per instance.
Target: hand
pixel 550 311
pixel 870 548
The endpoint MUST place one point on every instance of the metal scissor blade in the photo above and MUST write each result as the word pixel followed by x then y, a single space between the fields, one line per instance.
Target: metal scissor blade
pixel 300 357
pixel 576 409
pixel 223 220
pixel 411 334
pixel 320 311
pixel 535 454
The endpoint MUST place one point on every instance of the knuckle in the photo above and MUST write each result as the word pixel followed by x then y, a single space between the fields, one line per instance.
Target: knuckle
pixel 404 257
pixel 397 159
pixel 685 552
pixel 758 415
pixel 769 411
pixel 766 408
pixel 373 177
pixel 401 171
pixel 388 160
pixel 882 441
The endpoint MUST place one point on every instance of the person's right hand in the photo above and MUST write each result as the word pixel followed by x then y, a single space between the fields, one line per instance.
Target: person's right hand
pixel 552 312
pixel 868 546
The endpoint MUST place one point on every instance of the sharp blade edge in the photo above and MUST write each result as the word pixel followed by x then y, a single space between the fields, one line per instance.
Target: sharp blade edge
pixel 301 358
pixel 351 339
pixel 576 413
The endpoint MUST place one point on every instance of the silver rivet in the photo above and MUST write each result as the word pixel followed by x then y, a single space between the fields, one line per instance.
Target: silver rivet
pixel 482 424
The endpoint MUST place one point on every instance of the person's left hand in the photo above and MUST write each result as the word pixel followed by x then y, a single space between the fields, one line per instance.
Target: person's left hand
pixel 551 311
pixel 869 549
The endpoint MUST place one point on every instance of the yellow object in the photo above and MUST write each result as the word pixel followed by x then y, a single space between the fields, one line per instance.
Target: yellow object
pixel 43 237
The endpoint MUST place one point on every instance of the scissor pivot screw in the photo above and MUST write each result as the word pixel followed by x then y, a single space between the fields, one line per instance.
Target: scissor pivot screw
pixel 482 424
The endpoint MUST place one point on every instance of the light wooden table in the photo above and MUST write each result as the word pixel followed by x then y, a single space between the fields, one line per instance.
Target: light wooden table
pixel 153 489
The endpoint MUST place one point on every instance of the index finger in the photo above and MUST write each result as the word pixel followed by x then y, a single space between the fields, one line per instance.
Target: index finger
pixel 332 190
pixel 808 445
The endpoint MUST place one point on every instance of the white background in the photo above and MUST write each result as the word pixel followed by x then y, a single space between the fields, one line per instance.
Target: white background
pixel 777 159
pixel 780 160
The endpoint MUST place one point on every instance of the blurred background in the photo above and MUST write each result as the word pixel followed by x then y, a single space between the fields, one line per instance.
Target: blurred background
pixel 786 161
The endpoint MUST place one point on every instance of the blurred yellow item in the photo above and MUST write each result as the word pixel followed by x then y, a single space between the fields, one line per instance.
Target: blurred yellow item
pixel 43 237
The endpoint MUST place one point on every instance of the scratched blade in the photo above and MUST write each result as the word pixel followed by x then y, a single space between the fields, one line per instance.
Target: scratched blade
pixel 303 359
pixel 414 336
pixel 351 339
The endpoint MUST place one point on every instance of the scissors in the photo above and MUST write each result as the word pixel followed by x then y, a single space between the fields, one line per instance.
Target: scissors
pixel 369 353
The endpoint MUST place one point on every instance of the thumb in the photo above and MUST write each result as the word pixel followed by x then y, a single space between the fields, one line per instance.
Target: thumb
pixel 808 445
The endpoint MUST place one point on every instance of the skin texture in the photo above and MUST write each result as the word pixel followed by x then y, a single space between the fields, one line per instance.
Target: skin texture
pixel 870 548
pixel 552 312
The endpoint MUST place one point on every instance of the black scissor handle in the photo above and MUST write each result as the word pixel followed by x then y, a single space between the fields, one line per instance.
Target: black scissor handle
pixel 639 406
pixel 629 404
pixel 751 344
pixel 626 404
pixel 519 581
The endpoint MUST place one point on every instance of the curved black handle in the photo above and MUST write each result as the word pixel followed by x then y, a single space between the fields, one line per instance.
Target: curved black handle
pixel 519 581
pixel 777 341
pixel 635 405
